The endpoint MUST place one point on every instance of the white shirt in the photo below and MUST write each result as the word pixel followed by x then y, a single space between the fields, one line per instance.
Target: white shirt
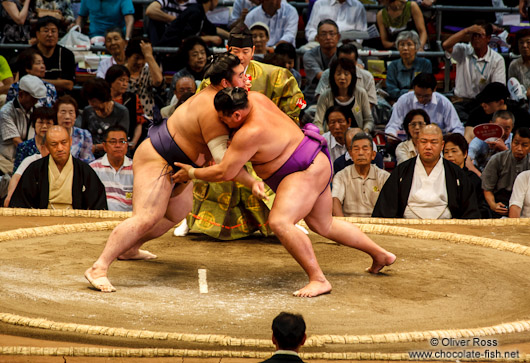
pixel 350 15
pixel 335 149
pixel 473 73
pixel 428 194
pixel 521 193
pixel 283 25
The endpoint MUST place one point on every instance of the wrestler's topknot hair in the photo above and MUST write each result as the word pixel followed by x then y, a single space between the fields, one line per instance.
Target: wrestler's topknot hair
pixel 228 100
pixel 221 66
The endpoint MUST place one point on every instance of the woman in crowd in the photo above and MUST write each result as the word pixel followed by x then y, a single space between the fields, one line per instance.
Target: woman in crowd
pixel 194 53
pixel 145 72
pixel 118 78
pixel 66 110
pixel 31 62
pixel 343 92
pixel 399 15
pixel 15 16
pixel 414 121
pixel 402 71
pixel 260 38
pixel 101 113
pixel 41 118
pixel 455 150
pixel 115 44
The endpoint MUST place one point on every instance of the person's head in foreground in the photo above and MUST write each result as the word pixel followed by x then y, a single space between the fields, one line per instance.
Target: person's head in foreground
pixel 288 331
pixel 339 120
pixel 430 144
pixel 232 106
pixel 413 122
pixel 362 150
pixel 521 143
pixel 225 70
pixel 58 143
pixel 455 149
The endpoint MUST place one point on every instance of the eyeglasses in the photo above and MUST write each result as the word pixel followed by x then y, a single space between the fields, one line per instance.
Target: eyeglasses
pixel 417 124
pixel 114 141
pixel 41 122
pixel 406 45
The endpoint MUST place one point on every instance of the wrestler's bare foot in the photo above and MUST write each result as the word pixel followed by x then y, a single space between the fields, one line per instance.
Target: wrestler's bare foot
pixel 314 288
pixel 137 255
pixel 380 261
pixel 98 279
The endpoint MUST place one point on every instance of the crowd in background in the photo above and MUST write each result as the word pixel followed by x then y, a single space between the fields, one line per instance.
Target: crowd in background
pixel 428 164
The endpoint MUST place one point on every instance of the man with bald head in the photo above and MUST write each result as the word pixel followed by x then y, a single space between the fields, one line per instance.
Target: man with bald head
pixel 59 181
pixel 427 186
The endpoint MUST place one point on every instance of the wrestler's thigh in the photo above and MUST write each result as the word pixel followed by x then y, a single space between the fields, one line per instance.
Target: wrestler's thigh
pixel 298 192
pixel 152 184
pixel 180 203
pixel 320 218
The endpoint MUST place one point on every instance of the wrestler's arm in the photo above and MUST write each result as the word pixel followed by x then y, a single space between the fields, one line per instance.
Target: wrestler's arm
pixel 241 150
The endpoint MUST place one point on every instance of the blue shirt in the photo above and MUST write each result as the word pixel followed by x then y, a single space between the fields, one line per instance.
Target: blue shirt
pixel 440 110
pixel 105 14
pixel 399 79
pixel 481 153
pixel 283 25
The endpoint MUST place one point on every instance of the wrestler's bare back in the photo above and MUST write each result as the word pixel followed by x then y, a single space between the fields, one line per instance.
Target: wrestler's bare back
pixel 195 123
pixel 278 135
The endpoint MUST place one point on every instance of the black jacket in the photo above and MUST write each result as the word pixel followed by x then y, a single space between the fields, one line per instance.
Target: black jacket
pixel 394 196
pixel 33 189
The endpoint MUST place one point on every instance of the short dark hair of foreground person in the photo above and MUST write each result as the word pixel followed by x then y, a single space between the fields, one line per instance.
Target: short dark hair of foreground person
pixel 288 335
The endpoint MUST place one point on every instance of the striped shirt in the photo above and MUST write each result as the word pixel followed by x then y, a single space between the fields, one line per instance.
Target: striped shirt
pixel 118 184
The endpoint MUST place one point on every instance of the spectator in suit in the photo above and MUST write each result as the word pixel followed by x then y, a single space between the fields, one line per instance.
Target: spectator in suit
pixel 455 150
pixel 288 336
pixel 59 181
pixel 427 186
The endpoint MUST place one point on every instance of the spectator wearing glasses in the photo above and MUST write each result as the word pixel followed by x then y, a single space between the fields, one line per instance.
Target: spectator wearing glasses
pixel 402 71
pixel 424 96
pixel 414 121
pixel 114 169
